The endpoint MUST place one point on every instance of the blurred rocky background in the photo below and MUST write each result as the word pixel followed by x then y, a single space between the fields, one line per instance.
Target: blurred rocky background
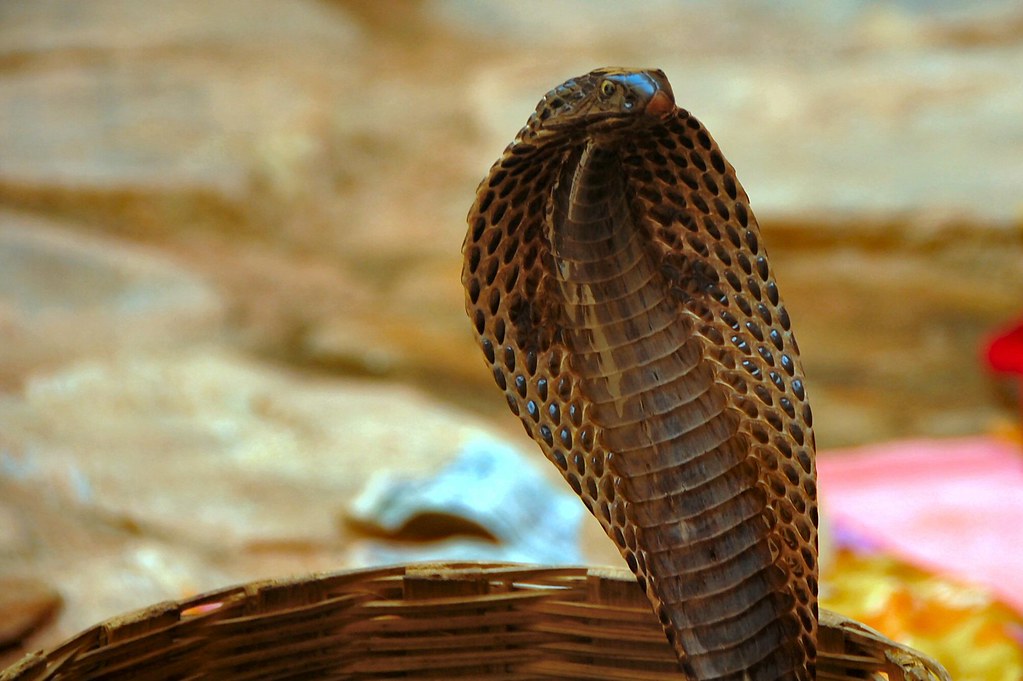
pixel 230 249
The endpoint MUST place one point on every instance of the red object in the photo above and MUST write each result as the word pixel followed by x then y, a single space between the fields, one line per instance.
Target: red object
pixel 1004 352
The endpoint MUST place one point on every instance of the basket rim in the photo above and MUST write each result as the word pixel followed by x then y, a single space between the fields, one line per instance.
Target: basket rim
pixel 600 600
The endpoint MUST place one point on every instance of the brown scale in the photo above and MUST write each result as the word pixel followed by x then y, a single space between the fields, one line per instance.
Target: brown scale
pixel 616 279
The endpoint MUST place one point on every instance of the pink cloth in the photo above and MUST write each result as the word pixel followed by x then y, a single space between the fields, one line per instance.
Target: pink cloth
pixel 951 506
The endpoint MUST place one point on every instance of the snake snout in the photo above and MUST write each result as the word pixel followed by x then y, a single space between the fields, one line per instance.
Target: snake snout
pixel 662 100
pixel 661 104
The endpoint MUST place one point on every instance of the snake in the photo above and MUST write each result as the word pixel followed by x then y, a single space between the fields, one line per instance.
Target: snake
pixel 623 300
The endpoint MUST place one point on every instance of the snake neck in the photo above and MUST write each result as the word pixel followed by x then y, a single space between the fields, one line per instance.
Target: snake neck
pixel 611 313
pixel 588 211
pixel 594 243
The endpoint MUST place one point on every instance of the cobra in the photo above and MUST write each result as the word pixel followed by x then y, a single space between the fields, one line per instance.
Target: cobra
pixel 624 301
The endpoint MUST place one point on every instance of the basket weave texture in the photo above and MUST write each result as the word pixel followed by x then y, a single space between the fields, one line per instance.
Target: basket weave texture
pixel 437 621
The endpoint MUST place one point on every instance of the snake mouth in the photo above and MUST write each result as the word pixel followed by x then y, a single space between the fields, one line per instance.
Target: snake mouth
pixel 660 105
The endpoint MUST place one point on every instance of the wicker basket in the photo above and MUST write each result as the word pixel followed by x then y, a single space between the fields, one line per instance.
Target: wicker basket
pixel 450 621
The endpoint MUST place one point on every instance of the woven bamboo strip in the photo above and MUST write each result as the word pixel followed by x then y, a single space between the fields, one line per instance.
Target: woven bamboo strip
pixel 452 621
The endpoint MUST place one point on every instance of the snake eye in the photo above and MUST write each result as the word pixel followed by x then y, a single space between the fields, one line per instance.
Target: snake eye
pixel 607 88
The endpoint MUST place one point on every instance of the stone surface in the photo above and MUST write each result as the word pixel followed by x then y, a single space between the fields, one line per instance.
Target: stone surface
pixel 144 438
pixel 116 96
pixel 891 338
pixel 150 477
pixel 25 605
pixel 64 294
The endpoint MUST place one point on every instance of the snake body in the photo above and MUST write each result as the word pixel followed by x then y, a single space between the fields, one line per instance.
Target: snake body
pixel 622 296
